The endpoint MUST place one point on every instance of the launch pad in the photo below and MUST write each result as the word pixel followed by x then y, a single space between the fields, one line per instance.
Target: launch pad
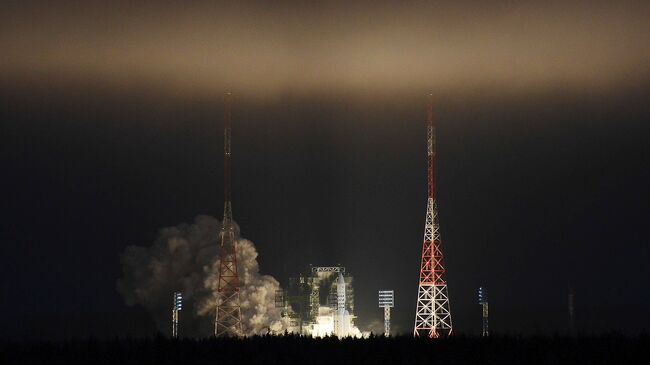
pixel 320 302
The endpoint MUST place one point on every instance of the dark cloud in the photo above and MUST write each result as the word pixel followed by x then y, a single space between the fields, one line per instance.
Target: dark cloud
pixel 264 49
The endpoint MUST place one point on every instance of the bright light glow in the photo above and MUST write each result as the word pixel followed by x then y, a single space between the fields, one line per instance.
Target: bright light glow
pixel 324 325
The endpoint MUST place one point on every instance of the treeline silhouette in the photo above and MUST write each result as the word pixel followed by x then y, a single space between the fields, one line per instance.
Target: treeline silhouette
pixel 289 349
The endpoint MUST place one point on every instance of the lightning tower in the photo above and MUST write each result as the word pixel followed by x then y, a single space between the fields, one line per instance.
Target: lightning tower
pixel 432 315
pixel 228 319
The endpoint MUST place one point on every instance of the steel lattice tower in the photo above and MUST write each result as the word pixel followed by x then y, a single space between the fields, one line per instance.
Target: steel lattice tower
pixel 228 319
pixel 432 315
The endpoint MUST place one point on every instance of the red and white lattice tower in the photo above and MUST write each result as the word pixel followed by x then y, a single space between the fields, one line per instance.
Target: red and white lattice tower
pixel 228 319
pixel 432 316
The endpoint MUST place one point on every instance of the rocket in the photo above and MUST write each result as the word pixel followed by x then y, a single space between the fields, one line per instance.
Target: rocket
pixel 342 320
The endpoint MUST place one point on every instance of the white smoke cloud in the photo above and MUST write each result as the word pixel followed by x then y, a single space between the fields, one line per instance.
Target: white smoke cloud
pixel 257 293
pixel 185 258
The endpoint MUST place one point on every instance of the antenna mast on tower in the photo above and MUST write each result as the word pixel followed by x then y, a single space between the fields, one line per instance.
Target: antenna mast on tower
pixel 432 315
pixel 228 319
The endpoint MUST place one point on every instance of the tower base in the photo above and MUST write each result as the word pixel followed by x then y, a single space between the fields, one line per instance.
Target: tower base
pixel 433 317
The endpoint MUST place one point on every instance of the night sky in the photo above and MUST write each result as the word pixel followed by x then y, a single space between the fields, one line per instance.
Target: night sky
pixel 111 122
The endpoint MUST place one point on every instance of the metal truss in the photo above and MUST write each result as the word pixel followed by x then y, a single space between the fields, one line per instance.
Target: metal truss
pixel 486 331
pixel 314 300
pixel 433 318
pixel 228 318
pixel 432 314
pixel 316 269
pixel 386 321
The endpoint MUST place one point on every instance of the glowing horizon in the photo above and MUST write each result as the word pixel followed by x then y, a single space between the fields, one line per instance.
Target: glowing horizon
pixel 265 50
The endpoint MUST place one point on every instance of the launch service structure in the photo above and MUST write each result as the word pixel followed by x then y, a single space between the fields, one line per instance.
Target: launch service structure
pixel 432 314
pixel 228 318
pixel 320 302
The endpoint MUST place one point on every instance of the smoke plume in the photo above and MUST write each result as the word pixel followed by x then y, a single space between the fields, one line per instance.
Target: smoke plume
pixel 185 258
